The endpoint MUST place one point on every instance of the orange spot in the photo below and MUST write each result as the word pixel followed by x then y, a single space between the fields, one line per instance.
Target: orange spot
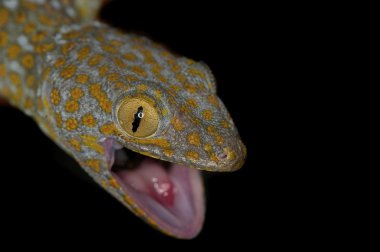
pixel 28 61
pixel 192 103
pixel 130 57
pixel 190 88
pixel 30 5
pixel 20 17
pixel 3 38
pixel 13 51
pixel 213 157
pixel 92 143
pixel 29 28
pixel 4 14
pixel 211 130
pixel 175 88
pixel 116 43
pixel 184 109
pixel 119 63
pixel 190 62
pixel 161 78
pixel 213 100
pixel 82 78
pixel 59 62
pixel 181 78
pixel 95 60
pixel 103 70
pixel 130 78
pixel 45 20
pixel 175 68
pixel 39 36
pixel 89 120
pixel 83 53
pixel 148 56
pixel 28 103
pixel 108 129
pixel 76 93
pixel 194 139
pixel 30 80
pixel 208 147
pixel 114 183
pixel 109 48
pixel 168 152
pixel 3 70
pixel 142 87
pixel 66 48
pixel 219 139
pixel 192 155
pixel 46 73
pixel 44 48
pixel 113 77
pixel 177 124
pixel 15 78
pixel 156 69
pixel 121 85
pixel 225 124
pixel 194 71
pixel 71 124
pixel 68 72
pixel 94 164
pixel 139 70
pixel 71 106
pixel 207 114
pixel 58 120
pixel 99 38
pixel 75 144
pixel 97 92
pixel 72 34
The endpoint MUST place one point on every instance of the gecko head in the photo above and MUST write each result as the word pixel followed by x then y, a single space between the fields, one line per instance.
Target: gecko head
pixel 163 140
pixel 143 123
pixel 160 141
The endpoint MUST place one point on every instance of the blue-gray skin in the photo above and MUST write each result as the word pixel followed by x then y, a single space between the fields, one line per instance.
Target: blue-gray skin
pixel 82 82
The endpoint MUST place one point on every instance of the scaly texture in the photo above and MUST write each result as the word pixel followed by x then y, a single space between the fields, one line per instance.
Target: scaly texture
pixel 70 75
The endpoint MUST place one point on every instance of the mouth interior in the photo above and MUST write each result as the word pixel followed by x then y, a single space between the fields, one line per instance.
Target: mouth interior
pixel 170 194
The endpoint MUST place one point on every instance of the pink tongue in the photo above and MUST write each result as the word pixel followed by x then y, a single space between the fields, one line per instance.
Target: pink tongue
pixel 151 178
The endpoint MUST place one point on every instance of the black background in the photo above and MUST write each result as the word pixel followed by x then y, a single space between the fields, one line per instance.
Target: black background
pixel 249 48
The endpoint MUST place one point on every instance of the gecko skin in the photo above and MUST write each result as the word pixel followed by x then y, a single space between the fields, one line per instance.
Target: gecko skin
pixel 141 121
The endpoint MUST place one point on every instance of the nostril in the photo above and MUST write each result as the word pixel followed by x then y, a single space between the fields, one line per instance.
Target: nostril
pixel 222 155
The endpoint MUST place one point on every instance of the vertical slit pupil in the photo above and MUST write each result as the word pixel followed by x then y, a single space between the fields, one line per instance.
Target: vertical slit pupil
pixel 137 120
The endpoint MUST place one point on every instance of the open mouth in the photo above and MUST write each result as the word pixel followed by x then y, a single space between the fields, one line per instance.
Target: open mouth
pixel 170 194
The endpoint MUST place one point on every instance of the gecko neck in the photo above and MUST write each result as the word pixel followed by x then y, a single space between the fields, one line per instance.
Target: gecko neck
pixel 27 35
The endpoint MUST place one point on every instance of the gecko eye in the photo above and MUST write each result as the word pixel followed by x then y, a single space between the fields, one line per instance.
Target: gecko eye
pixel 138 117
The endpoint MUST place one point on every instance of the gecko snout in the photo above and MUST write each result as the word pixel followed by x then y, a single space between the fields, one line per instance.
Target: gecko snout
pixel 231 157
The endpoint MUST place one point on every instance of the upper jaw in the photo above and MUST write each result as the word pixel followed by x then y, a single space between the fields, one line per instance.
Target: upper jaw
pixel 228 157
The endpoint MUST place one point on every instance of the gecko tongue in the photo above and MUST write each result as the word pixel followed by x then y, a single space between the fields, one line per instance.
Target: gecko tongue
pixel 151 178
